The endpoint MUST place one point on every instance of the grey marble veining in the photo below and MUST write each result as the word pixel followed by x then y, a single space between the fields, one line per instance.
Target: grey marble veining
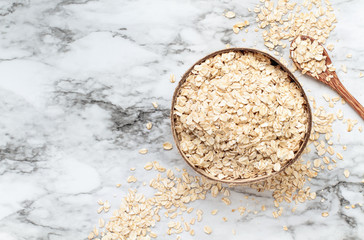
pixel 77 81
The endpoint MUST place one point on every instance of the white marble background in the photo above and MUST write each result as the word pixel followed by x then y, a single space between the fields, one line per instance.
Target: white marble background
pixel 77 81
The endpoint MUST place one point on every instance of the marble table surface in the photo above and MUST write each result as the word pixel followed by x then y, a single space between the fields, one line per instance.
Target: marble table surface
pixel 77 81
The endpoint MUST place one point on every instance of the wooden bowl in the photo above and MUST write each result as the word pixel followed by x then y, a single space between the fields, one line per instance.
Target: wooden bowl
pixel 248 180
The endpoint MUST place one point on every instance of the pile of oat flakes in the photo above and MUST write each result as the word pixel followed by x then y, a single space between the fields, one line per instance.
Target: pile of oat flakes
pixel 309 55
pixel 237 116
pixel 175 188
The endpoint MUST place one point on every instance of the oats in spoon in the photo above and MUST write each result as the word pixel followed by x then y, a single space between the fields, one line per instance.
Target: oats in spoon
pixel 309 55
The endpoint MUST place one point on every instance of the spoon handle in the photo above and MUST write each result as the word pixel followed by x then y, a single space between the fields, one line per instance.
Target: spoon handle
pixel 344 93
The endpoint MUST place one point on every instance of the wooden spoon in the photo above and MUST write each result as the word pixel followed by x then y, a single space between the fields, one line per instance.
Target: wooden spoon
pixel 334 82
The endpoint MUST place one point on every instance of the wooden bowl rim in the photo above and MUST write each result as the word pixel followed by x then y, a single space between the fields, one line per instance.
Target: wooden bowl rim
pixel 248 180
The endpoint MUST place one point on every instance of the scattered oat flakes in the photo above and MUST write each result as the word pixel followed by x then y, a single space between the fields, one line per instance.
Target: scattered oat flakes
pixel 96 231
pixel 155 104
pixel 313 195
pixel 350 124
pixel 100 209
pixel 167 146
pixel 335 99
pixel 199 213
pixel 148 166
pixel 226 192
pixel 317 162
pixel 326 97
pixel 346 173
pixel 172 78
pixel 214 212
pixel 101 223
pixel 361 75
pixel 226 201
pixel 241 25
pixel 285 228
pixel 230 14
pixel 344 68
pixel 187 227
pixel 349 55
pixel 143 151
pixel 330 150
pixel 131 179
pixel 118 185
pixel 236 30
pixel 207 229
pixel 214 191
pixel 340 114
pixel 242 210
pixel 149 125
pixel 285 21
pixel 269 45
pixel 330 47
pixel 326 159
pixel 107 206
pixel 325 214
